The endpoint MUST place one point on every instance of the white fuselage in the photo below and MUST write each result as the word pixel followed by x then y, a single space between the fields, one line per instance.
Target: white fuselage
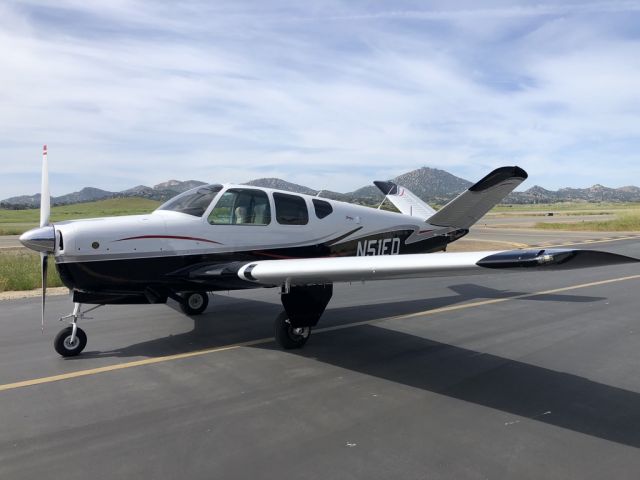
pixel 133 253
pixel 164 233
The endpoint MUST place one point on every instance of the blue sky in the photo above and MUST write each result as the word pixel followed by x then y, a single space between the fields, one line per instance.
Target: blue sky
pixel 330 94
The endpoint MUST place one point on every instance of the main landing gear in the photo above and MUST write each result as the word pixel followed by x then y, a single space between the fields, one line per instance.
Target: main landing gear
pixel 287 335
pixel 194 303
pixel 70 341
pixel 303 307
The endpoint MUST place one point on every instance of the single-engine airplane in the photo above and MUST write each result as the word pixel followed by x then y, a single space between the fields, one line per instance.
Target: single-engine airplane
pixel 229 237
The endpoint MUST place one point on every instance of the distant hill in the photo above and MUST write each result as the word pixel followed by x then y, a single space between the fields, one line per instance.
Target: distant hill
pixel 279 184
pixel 431 184
pixel 596 193
pixel 177 186
pixel 162 191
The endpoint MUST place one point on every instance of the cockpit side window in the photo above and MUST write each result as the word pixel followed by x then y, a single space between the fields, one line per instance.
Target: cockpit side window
pixel 192 202
pixel 240 206
pixel 290 209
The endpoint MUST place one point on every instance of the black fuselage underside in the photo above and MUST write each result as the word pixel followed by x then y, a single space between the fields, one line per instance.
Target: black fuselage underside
pixel 122 281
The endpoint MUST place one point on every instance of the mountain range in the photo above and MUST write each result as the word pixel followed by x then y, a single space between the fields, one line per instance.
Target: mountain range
pixel 432 185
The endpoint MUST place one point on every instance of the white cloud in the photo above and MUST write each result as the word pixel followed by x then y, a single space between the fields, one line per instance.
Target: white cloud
pixel 333 97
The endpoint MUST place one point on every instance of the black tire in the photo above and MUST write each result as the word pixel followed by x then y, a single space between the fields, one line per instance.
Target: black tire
pixel 62 345
pixel 194 303
pixel 287 336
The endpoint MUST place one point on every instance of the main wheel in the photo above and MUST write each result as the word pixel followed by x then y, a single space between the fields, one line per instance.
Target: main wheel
pixel 65 347
pixel 288 336
pixel 194 303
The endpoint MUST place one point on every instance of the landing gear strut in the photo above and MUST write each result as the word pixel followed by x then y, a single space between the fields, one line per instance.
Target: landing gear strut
pixel 303 308
pixel 70 341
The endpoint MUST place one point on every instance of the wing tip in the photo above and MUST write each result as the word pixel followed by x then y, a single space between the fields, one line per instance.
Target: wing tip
pixel 554 258
pixel 386 187
pixel 498 176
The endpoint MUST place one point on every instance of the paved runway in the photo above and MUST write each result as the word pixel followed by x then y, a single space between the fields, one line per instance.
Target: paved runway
pixel 528 221
pixel 545 238
pixel 459 377
pixel 10 241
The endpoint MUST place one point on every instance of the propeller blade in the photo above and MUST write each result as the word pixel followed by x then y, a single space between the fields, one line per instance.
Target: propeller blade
pixel 44 264
pixel 45 198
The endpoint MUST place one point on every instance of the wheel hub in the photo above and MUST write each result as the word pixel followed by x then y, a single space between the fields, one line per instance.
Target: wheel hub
pixel 71 345
pixel 195 301
pixel 300 331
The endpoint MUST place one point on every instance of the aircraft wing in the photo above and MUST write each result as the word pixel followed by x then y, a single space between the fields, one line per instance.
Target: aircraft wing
pixel 311 271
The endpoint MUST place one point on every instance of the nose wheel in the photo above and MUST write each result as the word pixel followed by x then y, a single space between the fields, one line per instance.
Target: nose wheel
pixel 69 345
pixel 71 340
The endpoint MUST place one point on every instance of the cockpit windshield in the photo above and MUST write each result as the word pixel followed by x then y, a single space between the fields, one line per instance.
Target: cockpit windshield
pixel 192 202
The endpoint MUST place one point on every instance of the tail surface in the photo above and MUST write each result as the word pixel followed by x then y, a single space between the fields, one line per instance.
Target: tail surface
pixel 404 200
pixel 471 205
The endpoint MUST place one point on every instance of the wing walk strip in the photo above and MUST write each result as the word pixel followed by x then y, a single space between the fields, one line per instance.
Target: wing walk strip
pixel 262 341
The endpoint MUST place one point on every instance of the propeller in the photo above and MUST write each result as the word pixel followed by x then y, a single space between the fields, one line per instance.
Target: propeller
pixel 43 238
pixel 45 212
pixel 44 266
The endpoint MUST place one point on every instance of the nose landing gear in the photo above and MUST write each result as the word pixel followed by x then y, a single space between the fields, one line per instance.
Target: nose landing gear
pixel 71 340
pixel 69 343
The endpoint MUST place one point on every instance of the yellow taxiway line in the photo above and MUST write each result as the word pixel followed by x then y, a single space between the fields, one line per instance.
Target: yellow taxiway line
pixel 261 341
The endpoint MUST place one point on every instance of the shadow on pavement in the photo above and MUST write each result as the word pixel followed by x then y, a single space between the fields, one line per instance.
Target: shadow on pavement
pixel 231 320
pixel 536 393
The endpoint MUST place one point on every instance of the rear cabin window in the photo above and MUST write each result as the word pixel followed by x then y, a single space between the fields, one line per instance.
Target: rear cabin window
pixel 239 206
pixel 290 209
pixel 322 208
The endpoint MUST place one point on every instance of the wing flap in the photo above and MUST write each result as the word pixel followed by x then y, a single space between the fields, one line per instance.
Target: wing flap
pixel 311 271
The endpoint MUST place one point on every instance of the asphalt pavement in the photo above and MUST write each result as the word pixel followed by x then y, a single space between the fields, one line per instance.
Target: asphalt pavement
pixel 518 375
pixel 10 241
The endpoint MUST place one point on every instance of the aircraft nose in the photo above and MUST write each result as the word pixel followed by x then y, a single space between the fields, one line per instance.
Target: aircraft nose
pixel 41 239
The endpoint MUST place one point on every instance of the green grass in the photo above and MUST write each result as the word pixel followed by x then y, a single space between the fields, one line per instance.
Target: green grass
pixel 15 230
pixel 20 270
pixel 624 222
pixel 15 222
pixel 579 207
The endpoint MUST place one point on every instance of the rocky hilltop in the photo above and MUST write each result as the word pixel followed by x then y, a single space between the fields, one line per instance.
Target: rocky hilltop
pixel 430 184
